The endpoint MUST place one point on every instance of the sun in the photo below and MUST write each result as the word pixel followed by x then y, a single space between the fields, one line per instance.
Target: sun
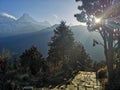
pixel 97 20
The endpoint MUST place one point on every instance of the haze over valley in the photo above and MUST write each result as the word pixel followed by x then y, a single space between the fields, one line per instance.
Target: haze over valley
pixel 18 34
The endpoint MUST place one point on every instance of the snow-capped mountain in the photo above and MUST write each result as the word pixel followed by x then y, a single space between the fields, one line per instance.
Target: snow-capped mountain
pixel 26 18
pixel 24 24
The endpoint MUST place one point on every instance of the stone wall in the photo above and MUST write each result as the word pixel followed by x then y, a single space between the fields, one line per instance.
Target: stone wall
pixel 82 81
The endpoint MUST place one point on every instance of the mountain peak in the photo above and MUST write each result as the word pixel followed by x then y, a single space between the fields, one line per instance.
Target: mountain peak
pixel 26 15
pixel 26 18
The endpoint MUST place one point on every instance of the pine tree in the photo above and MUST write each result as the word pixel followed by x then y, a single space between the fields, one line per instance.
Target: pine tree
pixel 30 59
pixel 4 67
pixel 80 60
pixel 60 45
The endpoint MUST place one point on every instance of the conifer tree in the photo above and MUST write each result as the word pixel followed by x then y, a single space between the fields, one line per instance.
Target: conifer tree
pixel 30 59
pixel 61 44
pixel 80 59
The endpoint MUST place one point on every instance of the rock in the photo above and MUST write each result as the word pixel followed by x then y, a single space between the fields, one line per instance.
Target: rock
pixel 82 81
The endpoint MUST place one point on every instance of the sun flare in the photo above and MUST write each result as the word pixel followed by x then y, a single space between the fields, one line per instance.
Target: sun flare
pixel 97 20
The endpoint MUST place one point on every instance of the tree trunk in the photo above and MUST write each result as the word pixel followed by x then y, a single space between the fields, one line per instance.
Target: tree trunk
pixel 109 53
pixel 110 66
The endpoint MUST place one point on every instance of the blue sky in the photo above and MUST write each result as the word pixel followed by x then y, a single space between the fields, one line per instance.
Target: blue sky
pixel 42 10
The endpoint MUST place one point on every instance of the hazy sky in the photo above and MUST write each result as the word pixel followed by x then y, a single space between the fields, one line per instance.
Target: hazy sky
pixel 50 10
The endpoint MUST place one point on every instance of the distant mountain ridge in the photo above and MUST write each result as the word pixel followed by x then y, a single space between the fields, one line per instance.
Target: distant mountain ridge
pixel 18 43
pixel 26 18
pixel 16 35
pixel 24 24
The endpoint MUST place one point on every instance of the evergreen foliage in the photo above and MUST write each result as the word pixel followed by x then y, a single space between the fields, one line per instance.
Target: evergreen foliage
pixel 79 58
pixel 65 59
pixel 60 45
pixel 65 55
pixel 30 59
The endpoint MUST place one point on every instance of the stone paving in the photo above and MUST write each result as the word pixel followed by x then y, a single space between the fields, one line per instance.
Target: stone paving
pixel 82 81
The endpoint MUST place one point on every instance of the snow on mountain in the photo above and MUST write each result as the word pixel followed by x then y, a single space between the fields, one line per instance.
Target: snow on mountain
pixel 24 24
pixel 9 16
pixel 6 18
pixel 26 18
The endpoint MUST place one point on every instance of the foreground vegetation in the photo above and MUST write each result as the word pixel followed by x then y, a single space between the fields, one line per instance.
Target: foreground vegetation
pixel 65 59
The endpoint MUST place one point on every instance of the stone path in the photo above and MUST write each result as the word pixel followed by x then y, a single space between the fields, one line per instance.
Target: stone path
pixel 82 81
